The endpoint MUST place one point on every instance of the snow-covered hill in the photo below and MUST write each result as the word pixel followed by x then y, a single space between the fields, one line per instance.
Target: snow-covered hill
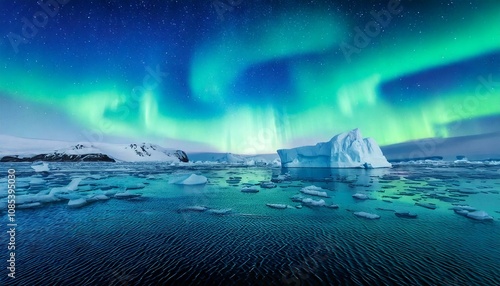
pixel 345 150
pixel 21 149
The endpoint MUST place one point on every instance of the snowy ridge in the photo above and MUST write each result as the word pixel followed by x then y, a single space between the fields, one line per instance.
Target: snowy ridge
pixel 345 150
pixel 14 148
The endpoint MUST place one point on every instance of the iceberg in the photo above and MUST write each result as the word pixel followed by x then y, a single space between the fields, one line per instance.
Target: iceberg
pixel 345 150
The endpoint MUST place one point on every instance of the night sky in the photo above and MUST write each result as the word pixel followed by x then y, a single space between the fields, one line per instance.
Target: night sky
pixel 248 76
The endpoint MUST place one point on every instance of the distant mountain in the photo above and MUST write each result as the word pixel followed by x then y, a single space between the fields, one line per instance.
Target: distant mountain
pixel 345 150
pixel 230 158
pixel 14 149
pixel 474 147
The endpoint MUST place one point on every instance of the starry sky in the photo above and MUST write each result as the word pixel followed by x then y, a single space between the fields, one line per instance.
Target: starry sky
pixel 248 76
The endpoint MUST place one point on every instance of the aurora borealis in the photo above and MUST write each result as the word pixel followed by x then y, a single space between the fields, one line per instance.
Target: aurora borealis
pixel 258 76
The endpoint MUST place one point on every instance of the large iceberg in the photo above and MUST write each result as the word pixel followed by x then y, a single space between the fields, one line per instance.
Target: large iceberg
pixel 345 150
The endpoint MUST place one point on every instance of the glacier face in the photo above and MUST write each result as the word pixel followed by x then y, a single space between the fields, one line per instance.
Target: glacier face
pixel 345 150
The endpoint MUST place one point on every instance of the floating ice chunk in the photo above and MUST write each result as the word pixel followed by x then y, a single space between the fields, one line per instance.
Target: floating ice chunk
pixel 405 214
pixel 136 186
pixel 195 208
pixel 195 180
pixel 366 215
pixel 360 196
pixel 252 189
pixel 479 215
pixel 461 212
pixel 97 197
pixel 73 185
pixel 468 191
pixel 267 185
pixel 314 191
pixel 29 206
pixel 312 203
pixel 47 198
pixel 40 167
pixel 37 181
pixel 76 203
pixel 219 211
pixel 277 206
pixel 281 178
pixel 463 207
pixel 25 199
pixel 298 198
pixel 189 179
pixel 426 205
pixel 333 206
pixel 126 195
pixel 110 193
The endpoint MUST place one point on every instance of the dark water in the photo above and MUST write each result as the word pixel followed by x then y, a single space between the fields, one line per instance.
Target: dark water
pixel 146 241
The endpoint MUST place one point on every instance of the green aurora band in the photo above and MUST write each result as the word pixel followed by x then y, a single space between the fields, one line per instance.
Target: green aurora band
pixel 330 95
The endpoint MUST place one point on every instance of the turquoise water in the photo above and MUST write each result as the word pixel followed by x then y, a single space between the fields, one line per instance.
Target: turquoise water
pixel 150 240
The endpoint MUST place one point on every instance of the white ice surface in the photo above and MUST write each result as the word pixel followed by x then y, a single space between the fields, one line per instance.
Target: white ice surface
pixel 345 150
